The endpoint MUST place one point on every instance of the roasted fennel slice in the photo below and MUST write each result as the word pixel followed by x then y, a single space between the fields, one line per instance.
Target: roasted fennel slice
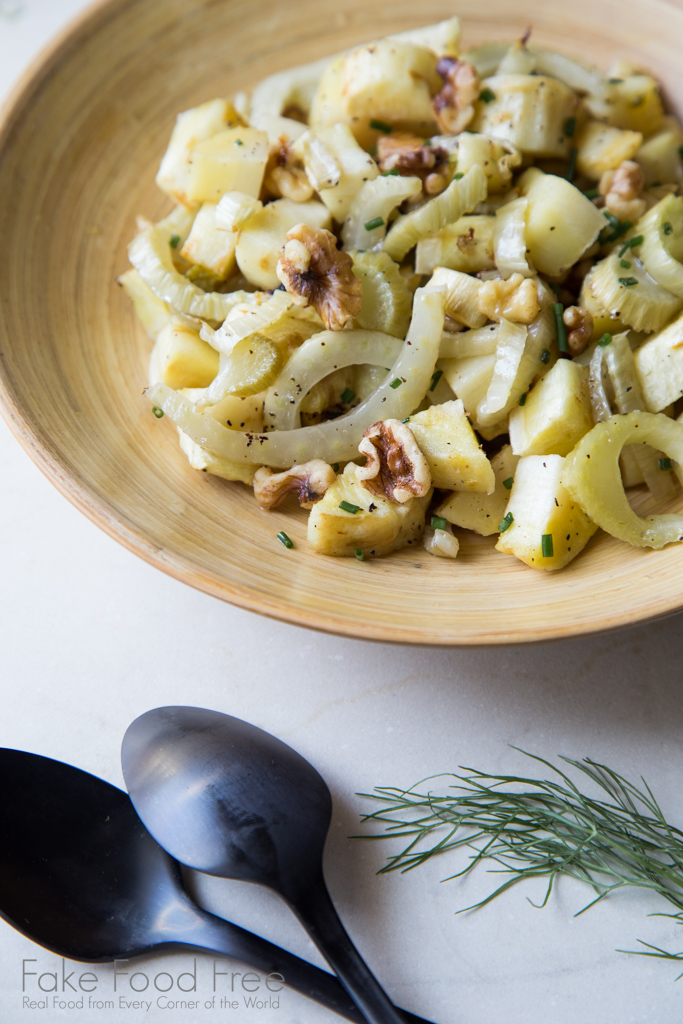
pixel 632 295
pixel 662 248
pixel 387 299
pixel 251 367
pixel 592 476
pixel 461 196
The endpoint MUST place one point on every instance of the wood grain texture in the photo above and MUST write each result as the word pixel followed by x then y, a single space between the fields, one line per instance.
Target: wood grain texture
pixel 80 141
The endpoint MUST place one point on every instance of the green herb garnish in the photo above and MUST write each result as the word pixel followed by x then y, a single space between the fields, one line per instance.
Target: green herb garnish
pixel 628 282
pixel 632 243
pixel 680 152
pixel 381 126
pixel 545 356
pixel 347 395
pixel 560 327
pixel 571 168
pixel 360 554
pixel 618 228
pixel 335 467
pixel 487 95
pixel 175 241
pixel 458 175
pixel 592 193
pixel 665 464
pixel 570 127
pixel 626 264
pixel 238 142
pixel 506 522
pixel 547 545
pixel 346 506
pixel 507 484
pixel 157 412
pixel 605 340
pixel 522 400
pixel 396 383
pixel 394 172
pixel 436 377
pixel 615 81
pixel 530 828
pixel 667 228
pixel 438 523
pixel 406 420
pixel 284 539
pixel 376 222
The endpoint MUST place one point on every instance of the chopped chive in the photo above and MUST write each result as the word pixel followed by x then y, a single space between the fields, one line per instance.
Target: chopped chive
pixel 396 383
pixel 522 400
pixel 665 464
pixel 348 395
pixel 360 554
pixel 436 377
pixel 506 522
pixel 632 243
pixel 393 172
pixel 619 228
pixel 547 545
pixel 406 420
pixel 381 126
pixel 458 175
pixel 335 467
pixel 487 95
pixel 507 484
pixel 592 193
pixel 655 184
pixel 560 328
pixel 571 169
pixel 545 356
pixel 628 282
pixel 346 506
pixel 238 142
pixel 157 411
pixel 570 127
pixel 667 228
pixel 615 81
pixel 605 340
pixel 680 152
pixel 175 241
pixel 438 523
pixel 376 222
pixel 626 264
pixel 284 539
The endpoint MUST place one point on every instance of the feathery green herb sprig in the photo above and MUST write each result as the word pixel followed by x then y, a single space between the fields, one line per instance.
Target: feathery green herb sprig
pixel 535 828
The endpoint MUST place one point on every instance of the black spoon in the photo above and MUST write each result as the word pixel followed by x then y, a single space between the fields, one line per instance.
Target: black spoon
pixel 227 798
pixel 81 876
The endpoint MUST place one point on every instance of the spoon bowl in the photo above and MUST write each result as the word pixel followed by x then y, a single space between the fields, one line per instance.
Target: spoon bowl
pixel 225 797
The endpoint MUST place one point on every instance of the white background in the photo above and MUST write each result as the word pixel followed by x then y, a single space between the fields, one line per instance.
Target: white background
pixel 91 637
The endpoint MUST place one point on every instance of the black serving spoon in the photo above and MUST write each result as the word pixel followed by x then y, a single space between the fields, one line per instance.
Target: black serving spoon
pixel 227 798
pixel 81 876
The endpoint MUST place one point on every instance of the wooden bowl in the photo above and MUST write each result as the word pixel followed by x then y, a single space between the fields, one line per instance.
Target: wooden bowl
pixel 80 141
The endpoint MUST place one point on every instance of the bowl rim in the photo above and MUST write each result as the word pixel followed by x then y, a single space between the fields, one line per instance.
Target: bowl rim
pixel 89 21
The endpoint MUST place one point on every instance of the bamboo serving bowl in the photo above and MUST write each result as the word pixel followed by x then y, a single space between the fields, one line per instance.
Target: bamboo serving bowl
pixel 80 141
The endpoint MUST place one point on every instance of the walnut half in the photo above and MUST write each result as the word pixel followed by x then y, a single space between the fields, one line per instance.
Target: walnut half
pixel 579 324
pixel 623 190
pixel 453 105
pixel 309 481
pixel 316 273
pixel 396 468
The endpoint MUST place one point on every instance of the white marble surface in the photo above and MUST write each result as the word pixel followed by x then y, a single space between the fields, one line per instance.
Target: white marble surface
pixel 91 637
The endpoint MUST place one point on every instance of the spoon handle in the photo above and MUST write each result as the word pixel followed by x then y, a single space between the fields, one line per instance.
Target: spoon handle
pixel 319 917
pixel 221 936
